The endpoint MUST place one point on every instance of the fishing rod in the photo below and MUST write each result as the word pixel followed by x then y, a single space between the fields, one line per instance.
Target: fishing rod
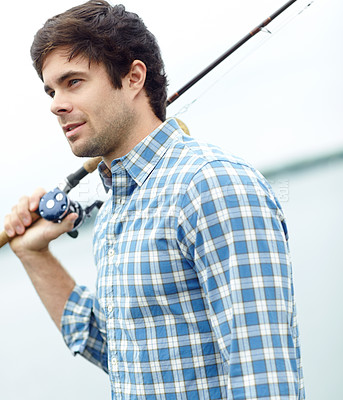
pixel 231 50
pixel 56 205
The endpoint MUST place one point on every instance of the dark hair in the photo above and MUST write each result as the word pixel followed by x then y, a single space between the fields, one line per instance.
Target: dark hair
pixel 107 34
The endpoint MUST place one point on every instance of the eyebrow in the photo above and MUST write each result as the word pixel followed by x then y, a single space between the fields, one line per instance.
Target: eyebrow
pixel 63 78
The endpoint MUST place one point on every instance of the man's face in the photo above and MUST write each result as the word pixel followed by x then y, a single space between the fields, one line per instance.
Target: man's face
pixel 96 118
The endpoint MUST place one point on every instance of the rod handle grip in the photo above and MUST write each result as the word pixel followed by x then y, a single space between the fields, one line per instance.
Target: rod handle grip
pixel 91 164
pixel 4 238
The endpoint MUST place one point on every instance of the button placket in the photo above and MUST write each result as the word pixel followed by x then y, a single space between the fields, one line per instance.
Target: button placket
pixel 110 253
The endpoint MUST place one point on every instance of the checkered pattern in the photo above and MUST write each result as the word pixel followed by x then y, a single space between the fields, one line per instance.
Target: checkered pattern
pixel 194 291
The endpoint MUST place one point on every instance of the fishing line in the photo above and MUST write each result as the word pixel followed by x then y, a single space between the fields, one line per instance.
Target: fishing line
pixel 262 40
pixel 55 205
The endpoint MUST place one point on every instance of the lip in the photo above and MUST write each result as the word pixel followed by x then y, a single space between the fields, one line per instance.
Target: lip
pixel 72 129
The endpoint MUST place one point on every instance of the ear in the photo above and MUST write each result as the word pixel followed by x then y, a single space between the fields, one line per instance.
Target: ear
pixel 135 79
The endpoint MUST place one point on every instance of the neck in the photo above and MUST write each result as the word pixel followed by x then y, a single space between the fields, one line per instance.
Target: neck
pixel 145 123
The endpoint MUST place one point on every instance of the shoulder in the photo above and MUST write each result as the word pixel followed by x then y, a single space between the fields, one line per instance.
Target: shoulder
pixel 202 164
pixel 208 175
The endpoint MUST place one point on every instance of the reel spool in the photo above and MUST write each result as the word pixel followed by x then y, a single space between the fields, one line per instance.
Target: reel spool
pixel 56 205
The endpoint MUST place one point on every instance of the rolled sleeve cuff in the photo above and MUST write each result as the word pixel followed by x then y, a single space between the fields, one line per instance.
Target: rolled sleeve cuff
pixel 76 319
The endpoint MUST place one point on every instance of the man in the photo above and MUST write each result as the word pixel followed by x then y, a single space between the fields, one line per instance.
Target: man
pixel 194 294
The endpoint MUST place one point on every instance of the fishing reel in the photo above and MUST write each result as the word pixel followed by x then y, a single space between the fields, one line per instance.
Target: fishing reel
pixel 56 205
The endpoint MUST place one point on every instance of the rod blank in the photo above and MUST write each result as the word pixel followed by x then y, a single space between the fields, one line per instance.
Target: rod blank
pixel 231 50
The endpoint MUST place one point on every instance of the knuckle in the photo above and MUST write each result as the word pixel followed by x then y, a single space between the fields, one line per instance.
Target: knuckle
pixel 24 216
pixel 23 199
pixel 14 220
pixel 39 192
pixel 7 225
pixel 35 198
pixel 21 213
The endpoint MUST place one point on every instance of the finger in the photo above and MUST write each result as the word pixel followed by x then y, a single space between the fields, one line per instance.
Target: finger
pixel 23 211
pixel 69 221
pixel 35 198
pixel 10 231
pixel 15 222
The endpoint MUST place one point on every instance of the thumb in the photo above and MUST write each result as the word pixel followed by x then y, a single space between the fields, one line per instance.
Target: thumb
pixel 68 222
pixel 66 225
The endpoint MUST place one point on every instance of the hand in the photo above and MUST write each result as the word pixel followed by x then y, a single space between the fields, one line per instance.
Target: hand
pixel 38 237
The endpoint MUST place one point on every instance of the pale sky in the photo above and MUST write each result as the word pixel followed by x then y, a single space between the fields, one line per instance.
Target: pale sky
pixel 281 102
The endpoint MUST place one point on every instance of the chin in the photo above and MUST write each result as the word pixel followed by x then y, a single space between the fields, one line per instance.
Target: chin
pixel 80 151
pixel 85 152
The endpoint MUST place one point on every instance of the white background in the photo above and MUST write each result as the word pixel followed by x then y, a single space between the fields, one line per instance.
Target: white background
pixel 276 101
pixel 282 102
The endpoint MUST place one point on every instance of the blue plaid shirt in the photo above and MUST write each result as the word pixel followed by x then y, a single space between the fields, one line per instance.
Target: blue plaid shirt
pixel 194 294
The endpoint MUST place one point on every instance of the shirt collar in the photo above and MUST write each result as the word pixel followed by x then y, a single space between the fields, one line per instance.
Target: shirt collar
pixel 143 158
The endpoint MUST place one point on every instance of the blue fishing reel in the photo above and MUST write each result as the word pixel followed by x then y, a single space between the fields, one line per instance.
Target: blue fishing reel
pixel 56 205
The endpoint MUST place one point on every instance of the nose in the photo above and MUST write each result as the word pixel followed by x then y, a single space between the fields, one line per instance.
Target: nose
pixel 60 105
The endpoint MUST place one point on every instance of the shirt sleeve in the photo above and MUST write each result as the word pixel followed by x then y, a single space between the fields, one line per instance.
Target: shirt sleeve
pixel 83 327
pixel 231 227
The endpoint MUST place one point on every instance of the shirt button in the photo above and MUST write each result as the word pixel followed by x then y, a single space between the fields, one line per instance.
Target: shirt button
pixel 110 308
pixel 114 362
pixel 111 252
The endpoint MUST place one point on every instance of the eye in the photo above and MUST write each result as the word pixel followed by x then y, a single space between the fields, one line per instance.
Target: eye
pixel 51 94
pixel 73 82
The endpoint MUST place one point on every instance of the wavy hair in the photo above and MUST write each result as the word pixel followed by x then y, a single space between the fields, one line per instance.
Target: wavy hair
pixel 109 35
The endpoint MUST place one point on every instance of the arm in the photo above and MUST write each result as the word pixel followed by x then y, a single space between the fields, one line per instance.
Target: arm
pixel 74 310
pixel 231 227
pixel 51 281
pixel 84 327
